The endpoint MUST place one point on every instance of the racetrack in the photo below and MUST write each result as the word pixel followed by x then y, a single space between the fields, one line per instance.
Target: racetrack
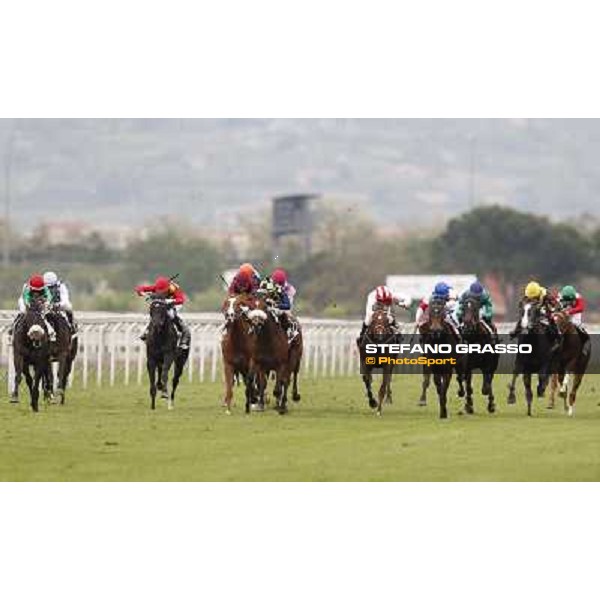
pixel 110 434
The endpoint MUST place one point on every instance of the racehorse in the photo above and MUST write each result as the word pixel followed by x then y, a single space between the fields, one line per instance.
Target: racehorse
pixel 236 348
pixel 435 330
pixel 31 349
pixel 535 330
pixel 269 352
pixel 63 351
pixel 474 331
pixel 570 362
pixel 295 352
pixel 379 331
pixel 162 352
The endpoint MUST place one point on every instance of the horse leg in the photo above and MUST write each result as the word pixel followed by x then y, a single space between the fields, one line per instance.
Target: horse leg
pixel 444 385
pixel 368 380
pixel 528 391
pixel 553 386
pixel 564 389
pixel 295 393
pixel 439 386
pixel 283 381
pixel 62 378
pixel 18 363
pixel 261 381
pixel 577 377
pixel 512 397
pixel 29 381
pixel 425 386
pixel 164 393
pixel 229 377
pixel 177 371
pixel 460 378
pixel 382 391
pixel 489 377
pixel 151 365
pixel 35 389
pixel 469 385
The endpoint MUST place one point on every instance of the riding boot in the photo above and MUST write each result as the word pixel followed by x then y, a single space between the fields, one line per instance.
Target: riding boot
pixel 144 335
pixel 397 332
pixel 184 330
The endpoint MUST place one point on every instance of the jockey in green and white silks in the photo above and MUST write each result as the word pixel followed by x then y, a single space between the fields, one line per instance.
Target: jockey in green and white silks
pixel 60 297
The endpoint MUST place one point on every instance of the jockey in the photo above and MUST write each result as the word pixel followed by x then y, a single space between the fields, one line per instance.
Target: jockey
pixel 534 292
pixel 245 281
pixel 170 291
pixel 288 291
pixel 442 292
pixel 60 297
pixel 573 304
pixel 284 292
pixel 383 297
pixel 478 292
pixel 35 290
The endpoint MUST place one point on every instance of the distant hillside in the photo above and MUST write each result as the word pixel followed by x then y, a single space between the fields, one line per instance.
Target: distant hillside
pixel 406 171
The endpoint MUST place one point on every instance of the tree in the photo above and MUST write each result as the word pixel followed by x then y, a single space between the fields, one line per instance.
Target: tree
pixel 512 246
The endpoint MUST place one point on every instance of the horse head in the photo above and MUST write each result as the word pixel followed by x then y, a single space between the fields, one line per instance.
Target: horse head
pixel 530 317
pixel 159 312
pixel 470 320
pixel 563 322
pixel 436 317
pixel 36 335
pixel 258 314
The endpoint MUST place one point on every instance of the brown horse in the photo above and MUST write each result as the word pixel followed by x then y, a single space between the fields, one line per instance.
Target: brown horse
pixel 570 363
pixel 270 352
pixel 236 347
pixel 437 331
pixel 379 331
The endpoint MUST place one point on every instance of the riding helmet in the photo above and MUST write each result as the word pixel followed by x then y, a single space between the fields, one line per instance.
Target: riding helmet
pixel 36 283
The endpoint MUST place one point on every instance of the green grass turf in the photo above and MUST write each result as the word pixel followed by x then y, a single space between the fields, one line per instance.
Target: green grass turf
pixel 110 434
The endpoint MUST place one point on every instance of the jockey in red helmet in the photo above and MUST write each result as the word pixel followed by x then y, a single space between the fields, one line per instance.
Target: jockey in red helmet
pixel 246 280
pixel 383 297
pixel 35 290
pixel 170 291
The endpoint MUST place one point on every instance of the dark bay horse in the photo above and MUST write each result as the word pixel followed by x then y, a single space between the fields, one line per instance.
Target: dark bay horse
pixel 270 352
pixel 379 331
pixel 236 348
pixel 474 331
pixel 435 330
pixel 570 362
pixel 535 330
pixel 63 351
pixel 162 352
pixel 31 350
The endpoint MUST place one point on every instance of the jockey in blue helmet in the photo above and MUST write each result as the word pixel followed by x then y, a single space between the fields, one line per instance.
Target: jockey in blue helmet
pixel 477 291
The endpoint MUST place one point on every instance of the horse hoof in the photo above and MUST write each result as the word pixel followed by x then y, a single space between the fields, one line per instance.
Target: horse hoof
pixel 296 397
pixel 511 400
pixel 14 400
pixel 491 408
pixel 469 409
pixel 445 416
pixel 550 407
pixel 461 394
pixel 422 403
pixel 372 404
pixel 228 412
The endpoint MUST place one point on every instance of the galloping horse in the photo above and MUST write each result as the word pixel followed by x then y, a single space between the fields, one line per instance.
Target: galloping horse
pixel 570 363
pixel 162 352
pixel 474 331
pixel 535 330
pixel 63 351
pixel 236 348
pixel 436 331
pixel 270 352
pixel 31 348
pixel 379 332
